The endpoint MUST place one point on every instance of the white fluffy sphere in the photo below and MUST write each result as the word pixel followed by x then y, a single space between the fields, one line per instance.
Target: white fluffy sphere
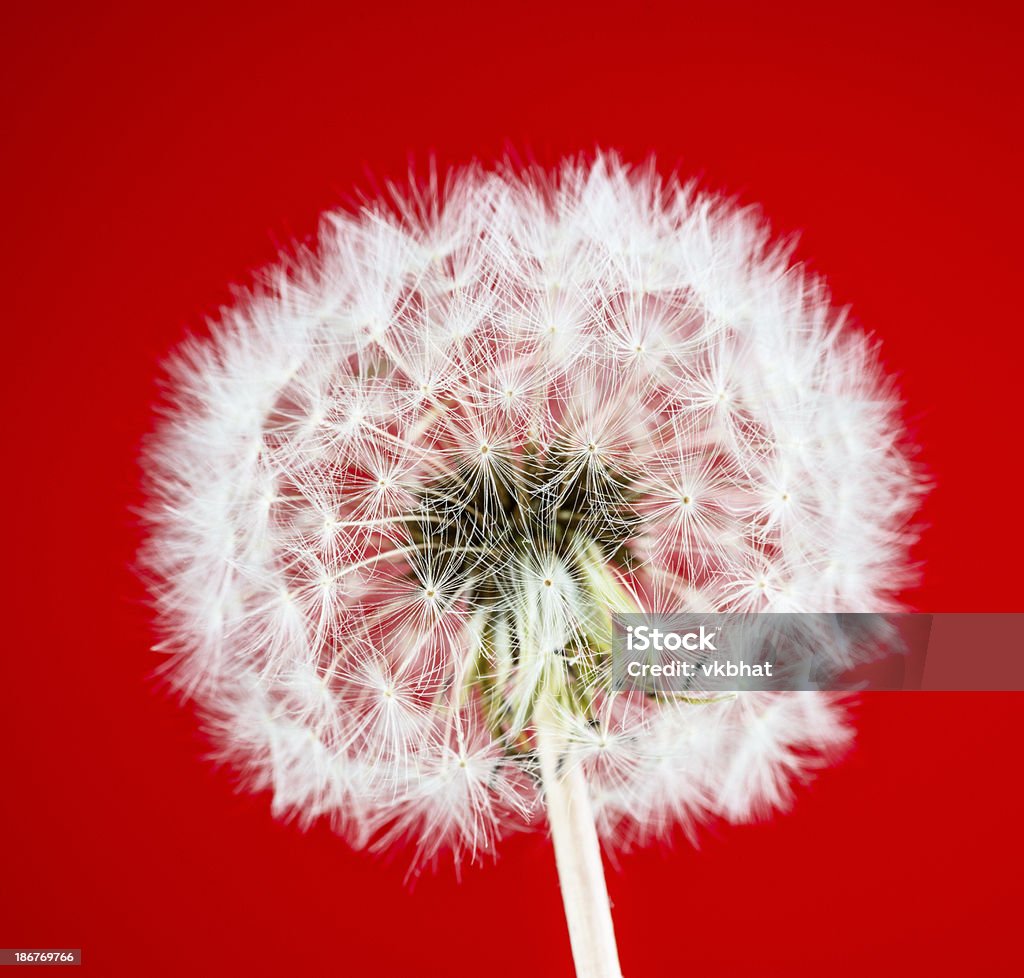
pixel 401 486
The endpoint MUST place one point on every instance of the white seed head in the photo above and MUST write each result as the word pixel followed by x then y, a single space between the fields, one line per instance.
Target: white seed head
pixel 402 486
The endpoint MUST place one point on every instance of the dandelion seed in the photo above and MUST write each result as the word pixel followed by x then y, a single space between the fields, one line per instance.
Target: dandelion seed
pixel 397 491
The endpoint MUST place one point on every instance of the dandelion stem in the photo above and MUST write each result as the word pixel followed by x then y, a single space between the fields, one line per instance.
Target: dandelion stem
pixel 577 852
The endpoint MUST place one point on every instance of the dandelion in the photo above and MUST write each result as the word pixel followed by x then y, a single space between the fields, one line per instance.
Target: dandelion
pixel 401 488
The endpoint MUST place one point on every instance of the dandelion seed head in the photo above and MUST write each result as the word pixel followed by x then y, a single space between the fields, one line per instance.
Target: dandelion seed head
pixel 401 488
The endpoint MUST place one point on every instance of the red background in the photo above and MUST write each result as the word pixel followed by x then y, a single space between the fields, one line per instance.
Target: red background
pixel 152 157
